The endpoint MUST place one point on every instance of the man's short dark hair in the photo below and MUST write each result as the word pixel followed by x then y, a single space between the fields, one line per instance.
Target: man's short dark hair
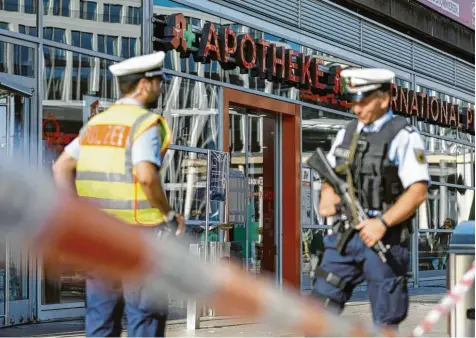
pixel 128 87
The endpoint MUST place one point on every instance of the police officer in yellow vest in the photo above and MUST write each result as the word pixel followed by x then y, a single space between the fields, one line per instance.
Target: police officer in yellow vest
pixel 114 162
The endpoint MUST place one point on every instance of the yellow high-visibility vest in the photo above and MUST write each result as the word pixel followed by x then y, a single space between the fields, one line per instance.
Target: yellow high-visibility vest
pixel 105 173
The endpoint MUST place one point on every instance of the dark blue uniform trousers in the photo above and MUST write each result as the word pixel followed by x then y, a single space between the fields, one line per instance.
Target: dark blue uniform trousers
pixel 106 301
pixel 387 288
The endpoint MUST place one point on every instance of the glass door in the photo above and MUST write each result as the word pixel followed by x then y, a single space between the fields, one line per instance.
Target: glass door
pixel 252 152
pixel 15 274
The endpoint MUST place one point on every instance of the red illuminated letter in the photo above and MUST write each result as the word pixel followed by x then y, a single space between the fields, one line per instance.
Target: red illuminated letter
pixel 173 33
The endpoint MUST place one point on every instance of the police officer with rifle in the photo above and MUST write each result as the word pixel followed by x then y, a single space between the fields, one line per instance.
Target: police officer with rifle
pixel 376 176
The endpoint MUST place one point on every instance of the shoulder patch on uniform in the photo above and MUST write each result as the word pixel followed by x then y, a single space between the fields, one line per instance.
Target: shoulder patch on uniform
pixel 420 156
pixel 410 129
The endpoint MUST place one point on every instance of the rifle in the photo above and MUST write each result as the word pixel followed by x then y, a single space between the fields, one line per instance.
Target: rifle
pixel 349 203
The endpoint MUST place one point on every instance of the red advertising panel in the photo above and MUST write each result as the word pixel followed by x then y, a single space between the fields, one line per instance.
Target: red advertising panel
pixel 458 10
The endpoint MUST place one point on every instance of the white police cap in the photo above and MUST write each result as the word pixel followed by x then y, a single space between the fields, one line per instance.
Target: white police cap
pixel 150 65
pixel 359 83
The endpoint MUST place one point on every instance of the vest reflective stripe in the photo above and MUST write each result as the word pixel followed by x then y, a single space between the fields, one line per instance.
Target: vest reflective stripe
pixel 110 177
pixel 105 203
pixel 105 174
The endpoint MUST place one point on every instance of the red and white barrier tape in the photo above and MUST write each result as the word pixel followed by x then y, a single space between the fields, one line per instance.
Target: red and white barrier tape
pixel 446 304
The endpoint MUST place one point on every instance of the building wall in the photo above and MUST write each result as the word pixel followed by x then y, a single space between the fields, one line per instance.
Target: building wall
pixel 60 46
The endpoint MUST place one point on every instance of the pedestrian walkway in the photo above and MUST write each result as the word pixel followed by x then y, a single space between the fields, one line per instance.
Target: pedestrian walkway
pixel 422 300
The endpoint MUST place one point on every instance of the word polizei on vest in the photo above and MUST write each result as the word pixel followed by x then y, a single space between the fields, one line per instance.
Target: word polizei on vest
pixel 272 61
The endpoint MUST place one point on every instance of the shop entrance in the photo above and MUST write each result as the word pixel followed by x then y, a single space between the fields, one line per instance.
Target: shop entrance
pixel 262 136
pixel 253 150
pixel 16 284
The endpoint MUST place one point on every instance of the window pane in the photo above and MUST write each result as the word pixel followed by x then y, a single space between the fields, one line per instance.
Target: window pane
pixel 17 60
pixel 191 109
pixel 115 14
pixel 312 241
pixel 87 41
pixel 76 38
pixel 11 5
pixel 185 189
pixel 445 203
pixel 112 47
pixel 30 6
pixel 81 13
pixel 59 35
pixel 48 33
pixel 132 51
pixel 319 129
pixel 106 15
pixel 433 253
pixel 91 10
pixel 24 16
pixel 449 162
pixel 88 10
pixel 125 48
pixel 101 44
pixel 72 84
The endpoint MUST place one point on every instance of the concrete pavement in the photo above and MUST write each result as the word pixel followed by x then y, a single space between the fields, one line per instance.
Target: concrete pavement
pixel 422 300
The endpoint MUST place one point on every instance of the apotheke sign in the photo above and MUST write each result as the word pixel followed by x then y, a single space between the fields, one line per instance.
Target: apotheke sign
pixel 266 60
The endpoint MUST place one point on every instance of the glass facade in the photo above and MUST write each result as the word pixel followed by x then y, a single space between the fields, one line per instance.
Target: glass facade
pixel 17 60
pixel 112 28
pixel 82 38
pixel 19 16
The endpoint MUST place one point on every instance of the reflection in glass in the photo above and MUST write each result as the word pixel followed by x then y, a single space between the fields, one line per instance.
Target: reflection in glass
pixel 128 48
pixel 74 84
pixel 184 177
pixel 60 7
pixel 191 109
pixel 88 10
pixel 112 13
pixel 134 15
pixel 61 285
pixel 112 48
pixel 327 61
pixel 65 22
pixel 432 253
pixel 312 246
pixel 19 276
pixel 252 149
pixel 449 161
pixel 214 70
pixel 14 139
pixel 25 15
pixel 445 204
pixel 17 60
pixel 319 129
